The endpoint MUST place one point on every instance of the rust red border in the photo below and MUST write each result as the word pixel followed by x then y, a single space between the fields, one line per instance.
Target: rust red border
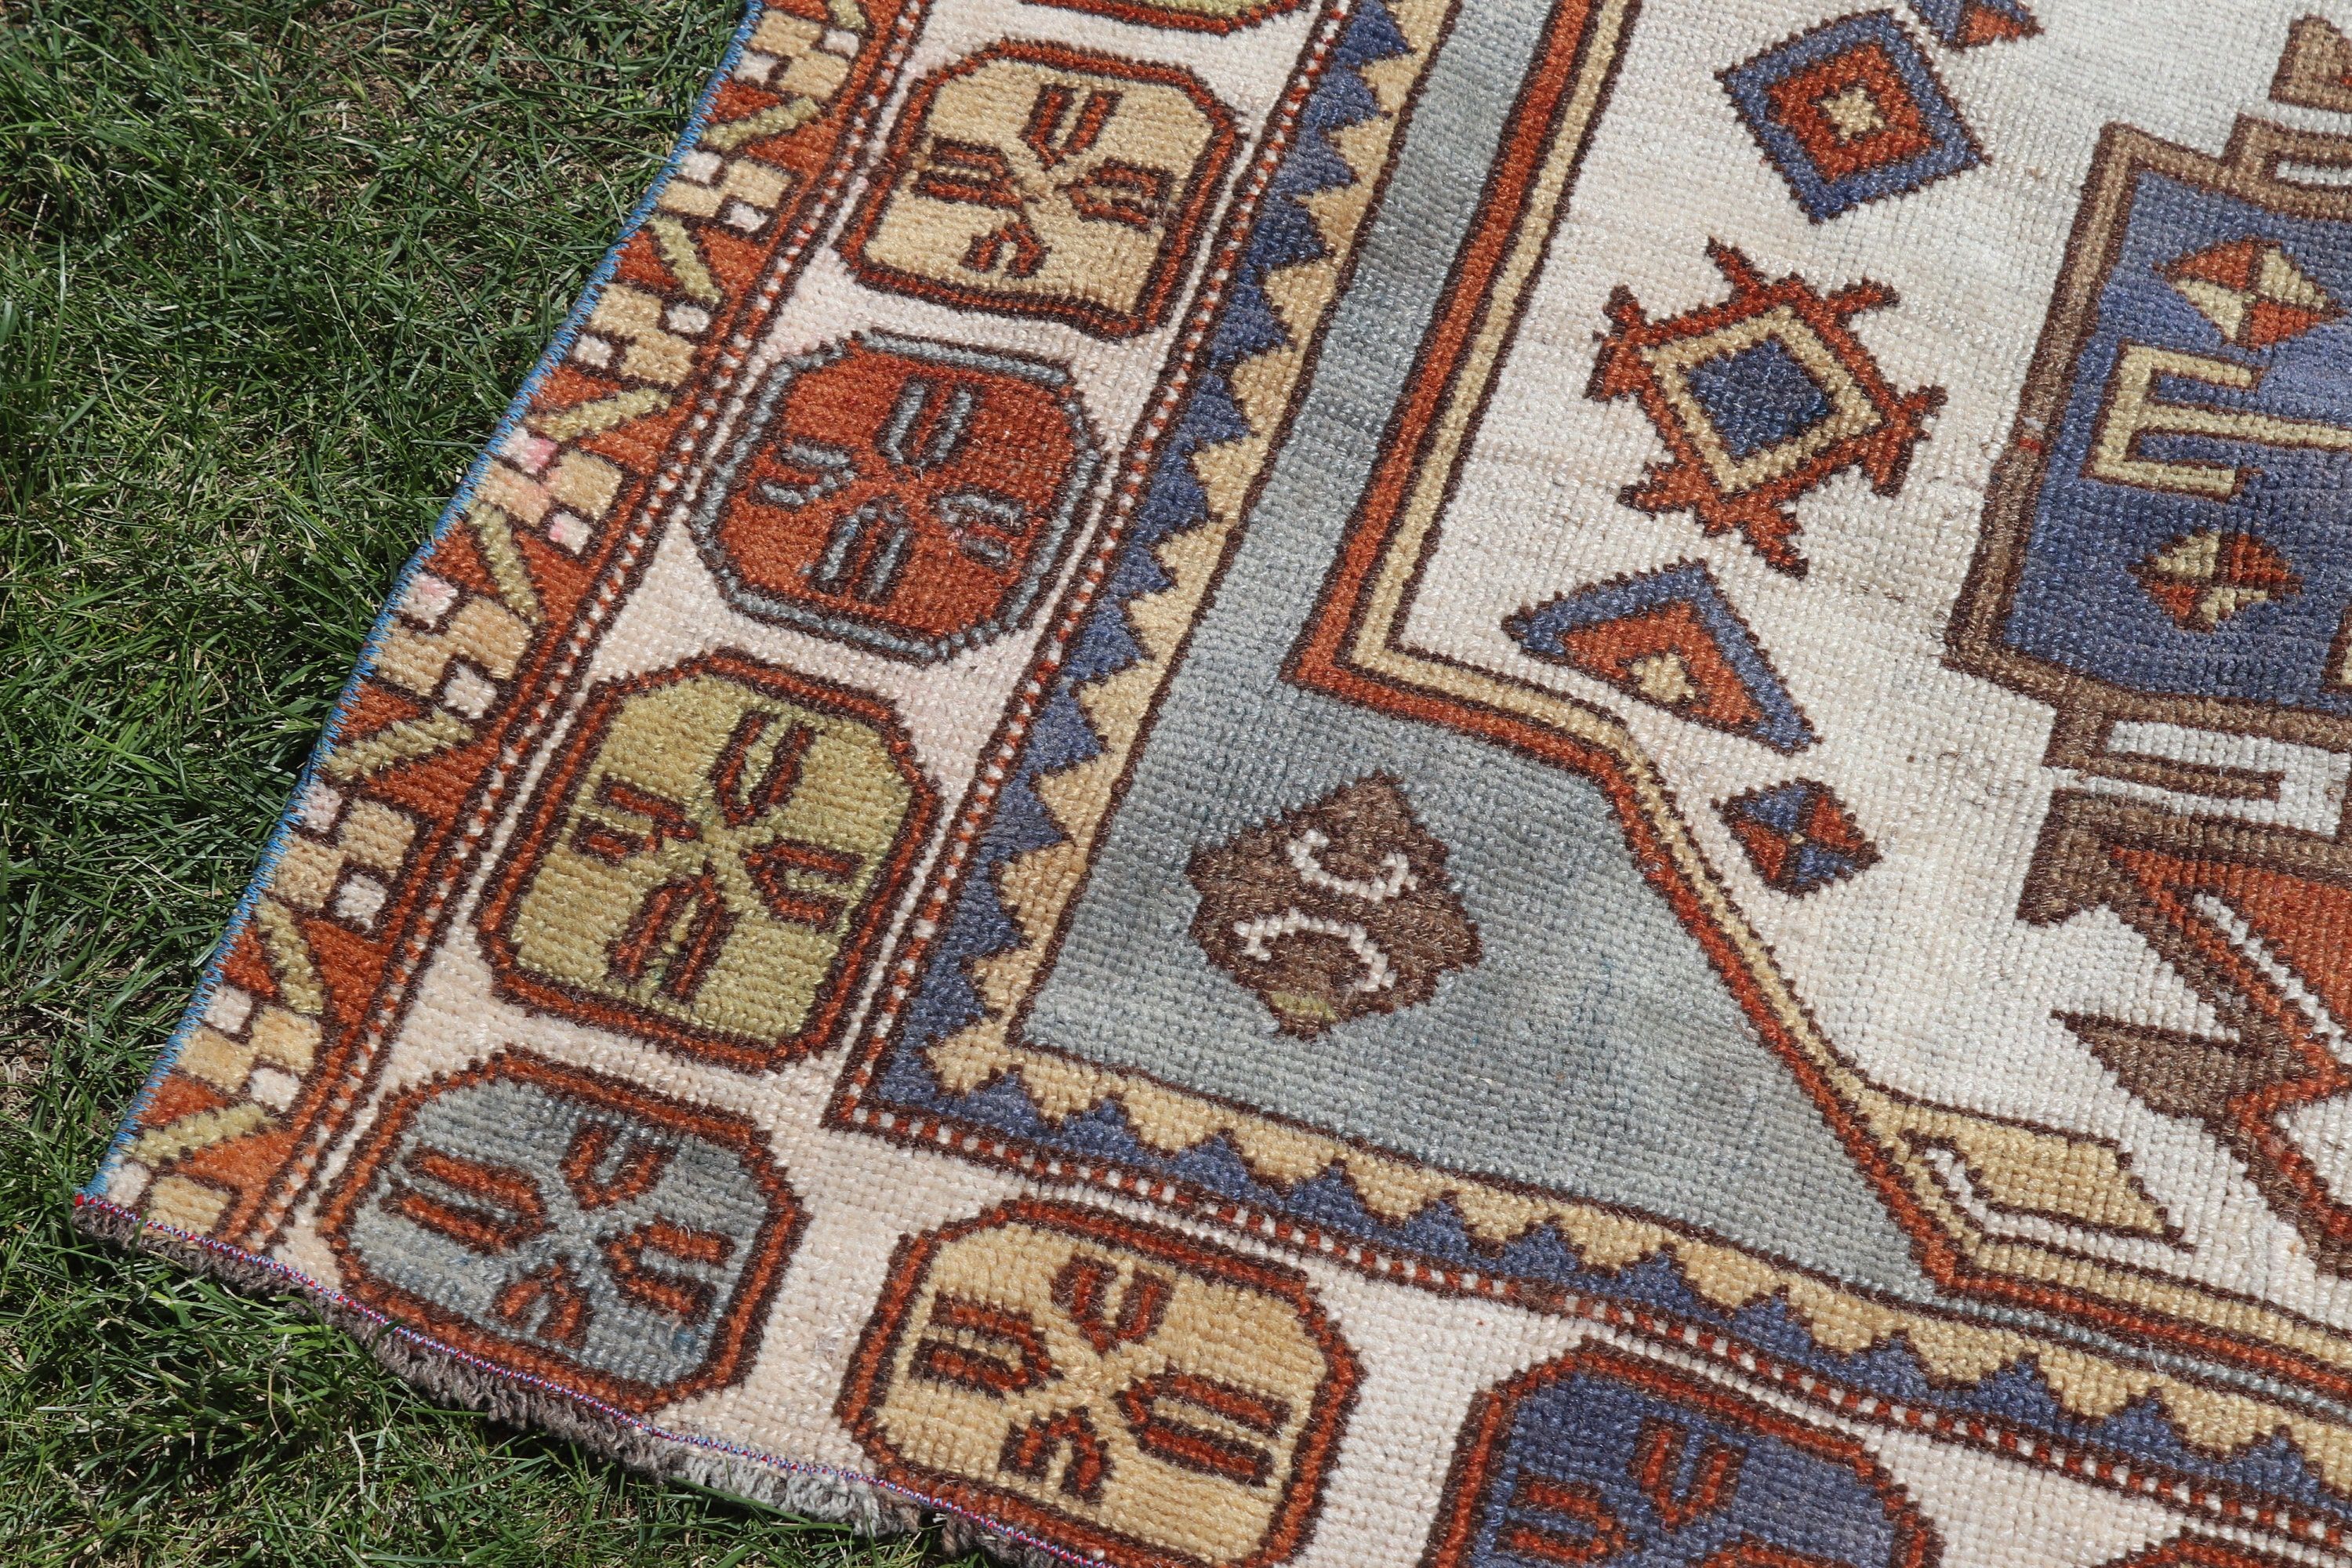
pixel 2199 1552
pixel 2089 706
pixel 1143 14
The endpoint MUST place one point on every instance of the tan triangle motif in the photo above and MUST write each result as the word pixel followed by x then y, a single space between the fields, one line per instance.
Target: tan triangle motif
pixel 2315 71
pixel 2281 279
pixel 2223 306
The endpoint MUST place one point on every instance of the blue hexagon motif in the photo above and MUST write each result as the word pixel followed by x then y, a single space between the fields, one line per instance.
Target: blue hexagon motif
pixel 568 1225
pixel 1600 1456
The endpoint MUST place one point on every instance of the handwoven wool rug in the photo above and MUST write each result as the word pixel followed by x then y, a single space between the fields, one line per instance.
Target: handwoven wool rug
pixel 1376 781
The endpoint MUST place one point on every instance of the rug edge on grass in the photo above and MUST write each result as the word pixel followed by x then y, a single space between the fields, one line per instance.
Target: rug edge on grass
pixel 984 1141
pixel 869 1504
pixel 863 1502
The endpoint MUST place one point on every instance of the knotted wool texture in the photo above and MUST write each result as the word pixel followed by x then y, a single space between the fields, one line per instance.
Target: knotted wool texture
pixel 1375 783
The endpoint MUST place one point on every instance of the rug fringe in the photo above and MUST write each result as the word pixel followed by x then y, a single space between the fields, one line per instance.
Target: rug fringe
pixel 864 1506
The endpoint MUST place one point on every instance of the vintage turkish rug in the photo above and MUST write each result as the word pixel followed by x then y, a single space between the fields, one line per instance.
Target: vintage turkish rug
pixel 1366 783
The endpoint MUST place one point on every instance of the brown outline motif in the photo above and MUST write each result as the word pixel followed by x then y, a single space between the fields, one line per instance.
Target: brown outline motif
pixel 896 166
pixel 2199 1552
pixel 1176 16
pixel 2148 864
pixel 550 805
pixel 1491 1413
pixel 2150 867
pixel 738 1339
pixel 2088 708
pixel 865 1387
pixel 2313 71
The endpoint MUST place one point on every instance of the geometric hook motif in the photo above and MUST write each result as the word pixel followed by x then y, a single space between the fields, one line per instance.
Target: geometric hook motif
pixel 1155 1399
pixel 908 497
pixel 570 1225
pixel 708 861
pixel 1760 399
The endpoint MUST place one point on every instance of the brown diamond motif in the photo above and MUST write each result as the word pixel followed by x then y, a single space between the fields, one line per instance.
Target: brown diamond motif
pixel 1335 909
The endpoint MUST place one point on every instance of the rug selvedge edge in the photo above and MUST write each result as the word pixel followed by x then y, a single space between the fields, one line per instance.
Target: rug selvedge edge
pixel 520 472
pixel 871 1505
pixel 452 514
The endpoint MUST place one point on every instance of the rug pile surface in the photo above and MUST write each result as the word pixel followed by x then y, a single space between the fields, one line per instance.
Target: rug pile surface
pixel 1223 783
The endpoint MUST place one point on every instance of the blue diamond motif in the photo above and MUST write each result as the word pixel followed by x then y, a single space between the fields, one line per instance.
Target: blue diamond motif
pixel 1919 136
pixel 1757 397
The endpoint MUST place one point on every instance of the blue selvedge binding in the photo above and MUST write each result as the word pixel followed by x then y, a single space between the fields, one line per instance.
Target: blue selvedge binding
pixel 560 344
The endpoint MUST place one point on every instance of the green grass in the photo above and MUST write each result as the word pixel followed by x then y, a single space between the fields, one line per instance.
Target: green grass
pixel 268 273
